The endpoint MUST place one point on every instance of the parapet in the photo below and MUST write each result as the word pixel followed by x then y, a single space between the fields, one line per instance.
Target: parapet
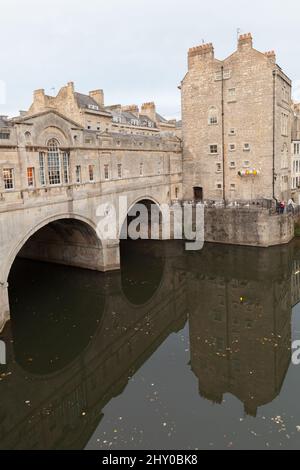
pixel 203 52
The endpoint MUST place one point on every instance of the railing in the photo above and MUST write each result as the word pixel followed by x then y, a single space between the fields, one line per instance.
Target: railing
pixel 248 205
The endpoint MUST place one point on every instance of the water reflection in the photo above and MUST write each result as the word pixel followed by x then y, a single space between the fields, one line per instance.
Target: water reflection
pixel 240 323
pixel 78 338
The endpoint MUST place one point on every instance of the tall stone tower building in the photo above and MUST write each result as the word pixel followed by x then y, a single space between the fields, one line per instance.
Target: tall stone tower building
pixel 236 125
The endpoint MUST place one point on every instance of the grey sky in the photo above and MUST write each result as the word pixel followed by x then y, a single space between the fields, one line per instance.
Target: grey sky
pixel 134 49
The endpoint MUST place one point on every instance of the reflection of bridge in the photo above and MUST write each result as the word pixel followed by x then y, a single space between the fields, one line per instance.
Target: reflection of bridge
pixel 66 405
pixel 239 304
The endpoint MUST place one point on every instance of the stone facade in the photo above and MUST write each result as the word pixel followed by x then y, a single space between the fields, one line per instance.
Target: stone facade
pixel 236 125
pixel 58 167
pixel 295 152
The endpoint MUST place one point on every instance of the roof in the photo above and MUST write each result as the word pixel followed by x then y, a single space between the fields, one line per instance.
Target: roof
pixel 85 101
pixel 126 117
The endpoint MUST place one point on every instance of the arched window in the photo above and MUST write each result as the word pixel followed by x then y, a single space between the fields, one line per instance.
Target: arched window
pixel 212 116
pixel 54 170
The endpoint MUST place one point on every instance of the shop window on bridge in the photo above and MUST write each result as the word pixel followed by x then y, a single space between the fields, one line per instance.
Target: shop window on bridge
pixel 54 173
pixel 30 177
pixel 42 169
pixel 8 178
pixel 66 167
pixel 78 174
pixel 91 173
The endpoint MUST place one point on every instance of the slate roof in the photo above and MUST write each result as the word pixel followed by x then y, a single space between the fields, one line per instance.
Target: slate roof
pixel 84 101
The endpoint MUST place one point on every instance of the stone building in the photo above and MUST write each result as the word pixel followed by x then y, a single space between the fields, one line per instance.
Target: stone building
pixel 295 153
pixel 236 125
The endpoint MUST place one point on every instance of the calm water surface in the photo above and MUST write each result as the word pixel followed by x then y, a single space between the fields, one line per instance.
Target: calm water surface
pixel 177 351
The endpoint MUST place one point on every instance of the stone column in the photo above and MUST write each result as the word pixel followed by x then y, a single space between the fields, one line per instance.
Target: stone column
pixel 4 304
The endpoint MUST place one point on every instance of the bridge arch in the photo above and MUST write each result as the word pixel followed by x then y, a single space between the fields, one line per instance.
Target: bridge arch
pixel 87 224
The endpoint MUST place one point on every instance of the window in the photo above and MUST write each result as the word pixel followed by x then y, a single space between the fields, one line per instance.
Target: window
pixel 27 136
pixel 66 167
pixel 246 163
pixel 119 170
pixel 213 149
pixel 232 131
pixel 232 164
pixel 297 149
pixel 231 94
pixel 53 162
pixel 218 167
pixel 285 93
pixel 94 107
pixel 246 147
pixel 141 169
pixel 176 193
pixel 106 172
pixel 284 156
pixel 219 185
pixel 78 174
pixel 232 187
pixel 212 116
pixel 232 147
pixel 8 178
pixel 42 169
pixel 91 172
pixel 4 135
pixel 284 124
pixel 30 177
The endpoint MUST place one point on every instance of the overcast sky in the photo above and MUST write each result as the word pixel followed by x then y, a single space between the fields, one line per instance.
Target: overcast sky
pixel 134 49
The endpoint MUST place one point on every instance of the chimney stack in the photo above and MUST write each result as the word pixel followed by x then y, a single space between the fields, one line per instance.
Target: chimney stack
pixel 203 52
pixel 245 41
pixel 98 96
pixel 149 110
pixel 271 56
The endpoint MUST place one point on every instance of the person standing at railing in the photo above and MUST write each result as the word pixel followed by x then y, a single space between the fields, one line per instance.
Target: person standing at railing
pixel 282 207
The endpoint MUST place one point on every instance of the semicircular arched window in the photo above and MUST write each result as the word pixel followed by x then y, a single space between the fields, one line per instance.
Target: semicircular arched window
pixel 54 167
pixel 212 115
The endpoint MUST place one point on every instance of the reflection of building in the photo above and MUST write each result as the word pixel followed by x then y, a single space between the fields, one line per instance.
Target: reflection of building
pixel 240 324
pixel 61 409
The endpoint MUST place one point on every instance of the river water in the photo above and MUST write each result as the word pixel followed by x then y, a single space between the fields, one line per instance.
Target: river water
pixel 178 350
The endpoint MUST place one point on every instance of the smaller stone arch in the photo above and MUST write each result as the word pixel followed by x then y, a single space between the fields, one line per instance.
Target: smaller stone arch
pixel 147 201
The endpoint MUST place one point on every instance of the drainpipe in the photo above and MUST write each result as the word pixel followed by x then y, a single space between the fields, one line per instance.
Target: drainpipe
pixel 274 133
pixel 223 135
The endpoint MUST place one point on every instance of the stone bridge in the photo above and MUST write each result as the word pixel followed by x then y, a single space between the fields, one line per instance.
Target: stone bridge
pixel 55 176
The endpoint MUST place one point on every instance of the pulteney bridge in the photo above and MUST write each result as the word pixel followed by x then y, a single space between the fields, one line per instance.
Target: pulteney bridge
pixel 54 174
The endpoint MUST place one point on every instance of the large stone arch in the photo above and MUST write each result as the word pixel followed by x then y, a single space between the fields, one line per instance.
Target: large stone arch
pixel 75 243
pixel 45 222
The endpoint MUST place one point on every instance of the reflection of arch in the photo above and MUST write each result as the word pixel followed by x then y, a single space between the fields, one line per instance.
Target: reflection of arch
pixel 141 273
pixel 61 301
pixel 87 223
